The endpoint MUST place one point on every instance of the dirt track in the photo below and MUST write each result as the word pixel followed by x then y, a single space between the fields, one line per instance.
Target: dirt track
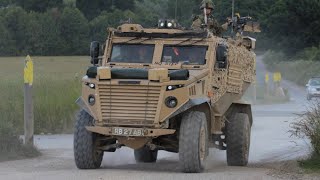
pixel 272 154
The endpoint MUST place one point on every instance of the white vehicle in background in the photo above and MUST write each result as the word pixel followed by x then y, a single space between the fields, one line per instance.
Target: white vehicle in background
pixel 313 88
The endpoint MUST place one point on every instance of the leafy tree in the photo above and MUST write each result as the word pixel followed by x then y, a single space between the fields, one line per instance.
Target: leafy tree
pixel 6 43
pixel 92 9
pixel 39 5
pixel 100 24
pixel 74 31
pixel 16 20
pixel 5 3
pixel 51 40
pixel 185 10
pixel 293 25
pixel 149 12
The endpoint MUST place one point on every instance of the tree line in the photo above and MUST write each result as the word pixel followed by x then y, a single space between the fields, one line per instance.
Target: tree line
pixel 65 27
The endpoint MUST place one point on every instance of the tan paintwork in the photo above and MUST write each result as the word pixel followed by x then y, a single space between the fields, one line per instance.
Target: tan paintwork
pixel 159 74
pixel 147 132
pixel 143 105
pixel 104 73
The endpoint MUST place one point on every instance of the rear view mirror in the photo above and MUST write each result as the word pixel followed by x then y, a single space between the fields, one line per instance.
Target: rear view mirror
pixel 94 52
pixel 221 56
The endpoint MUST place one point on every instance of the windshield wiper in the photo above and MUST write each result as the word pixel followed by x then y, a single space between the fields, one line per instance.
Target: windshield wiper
pixel 195 42
pixel 144 40
pixel 132 39
pixel 183 42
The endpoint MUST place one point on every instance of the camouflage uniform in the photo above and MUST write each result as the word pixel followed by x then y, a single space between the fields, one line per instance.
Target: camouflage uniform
pixel 212 23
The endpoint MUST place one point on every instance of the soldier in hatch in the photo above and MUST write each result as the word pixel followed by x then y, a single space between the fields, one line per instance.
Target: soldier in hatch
pixel 206 20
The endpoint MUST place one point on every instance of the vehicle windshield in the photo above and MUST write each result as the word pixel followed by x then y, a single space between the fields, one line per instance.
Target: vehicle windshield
pixel 132 53
pixel 193 55
pixel 315 82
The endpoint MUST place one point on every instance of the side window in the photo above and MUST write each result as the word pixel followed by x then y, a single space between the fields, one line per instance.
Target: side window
pixel 221 56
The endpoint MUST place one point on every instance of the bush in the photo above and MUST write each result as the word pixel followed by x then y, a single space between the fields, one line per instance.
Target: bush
pixel 290 68
pixel 308 125
pixel 11 146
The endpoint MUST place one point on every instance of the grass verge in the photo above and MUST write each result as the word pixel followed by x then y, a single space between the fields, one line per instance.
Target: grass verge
pixel 11 146
pixel 311 165
pixel 308 126
pixel 57 84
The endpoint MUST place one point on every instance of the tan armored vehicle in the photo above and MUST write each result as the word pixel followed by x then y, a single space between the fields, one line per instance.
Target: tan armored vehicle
pixel 166 89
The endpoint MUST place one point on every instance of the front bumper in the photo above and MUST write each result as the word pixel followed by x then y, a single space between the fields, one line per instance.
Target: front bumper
pixel 130 132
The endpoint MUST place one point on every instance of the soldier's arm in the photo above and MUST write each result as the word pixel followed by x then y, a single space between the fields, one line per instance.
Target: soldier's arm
pixel 225 26
pixel 218 29
pixel 196 24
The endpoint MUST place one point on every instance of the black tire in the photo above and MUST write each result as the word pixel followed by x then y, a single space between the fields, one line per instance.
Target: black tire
pixel 85 144
pixel 145 155
pixel 238 140
pixel 193 142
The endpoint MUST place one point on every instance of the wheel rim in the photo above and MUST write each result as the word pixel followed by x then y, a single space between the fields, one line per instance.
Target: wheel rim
pixel 202 144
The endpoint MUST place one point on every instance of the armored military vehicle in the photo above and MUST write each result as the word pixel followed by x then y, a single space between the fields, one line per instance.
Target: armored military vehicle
pixel 166 89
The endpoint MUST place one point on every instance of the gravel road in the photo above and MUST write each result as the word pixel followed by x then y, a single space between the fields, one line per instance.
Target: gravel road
pixel 272 154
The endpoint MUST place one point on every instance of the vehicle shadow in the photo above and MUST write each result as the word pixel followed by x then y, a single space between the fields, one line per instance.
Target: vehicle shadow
pixel 159 166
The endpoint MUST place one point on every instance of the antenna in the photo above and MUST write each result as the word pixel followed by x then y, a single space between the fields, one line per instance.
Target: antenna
pixel 232 8
pixel 232 16
pixel 175 11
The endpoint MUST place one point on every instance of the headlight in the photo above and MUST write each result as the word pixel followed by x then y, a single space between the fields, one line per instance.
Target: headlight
pixel 173 87
pixel 92 86
pixel 161 23
pixel 91 100
pixel 171 102
pixel 167 23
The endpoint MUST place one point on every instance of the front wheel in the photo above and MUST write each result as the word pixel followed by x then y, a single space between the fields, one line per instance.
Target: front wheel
pixel 86 153
pixel 193 142
pixel 238 140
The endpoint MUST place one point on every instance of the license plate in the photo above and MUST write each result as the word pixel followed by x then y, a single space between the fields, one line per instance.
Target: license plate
pixel 127 132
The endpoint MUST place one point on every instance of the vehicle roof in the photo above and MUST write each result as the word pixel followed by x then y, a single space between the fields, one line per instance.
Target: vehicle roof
pixel 136 30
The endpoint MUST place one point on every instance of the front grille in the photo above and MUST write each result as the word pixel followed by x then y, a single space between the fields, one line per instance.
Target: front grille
pixel 130 105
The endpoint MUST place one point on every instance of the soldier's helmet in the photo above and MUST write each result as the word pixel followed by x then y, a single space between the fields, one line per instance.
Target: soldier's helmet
pixel 237 15
pixel 208 4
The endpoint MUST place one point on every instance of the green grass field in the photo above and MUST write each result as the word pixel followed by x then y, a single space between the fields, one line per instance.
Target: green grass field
pixel 57 84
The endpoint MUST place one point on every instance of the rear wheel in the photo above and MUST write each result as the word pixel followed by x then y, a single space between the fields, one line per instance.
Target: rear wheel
pixel 238 140
pixel 193 142
pixel 86 153
pixel 145 155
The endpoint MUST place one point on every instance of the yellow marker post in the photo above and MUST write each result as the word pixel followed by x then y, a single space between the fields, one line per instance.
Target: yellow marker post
pixel 277 77
pixel 28 102
pixel 267 78
pixel 267 89
pixel 276 80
